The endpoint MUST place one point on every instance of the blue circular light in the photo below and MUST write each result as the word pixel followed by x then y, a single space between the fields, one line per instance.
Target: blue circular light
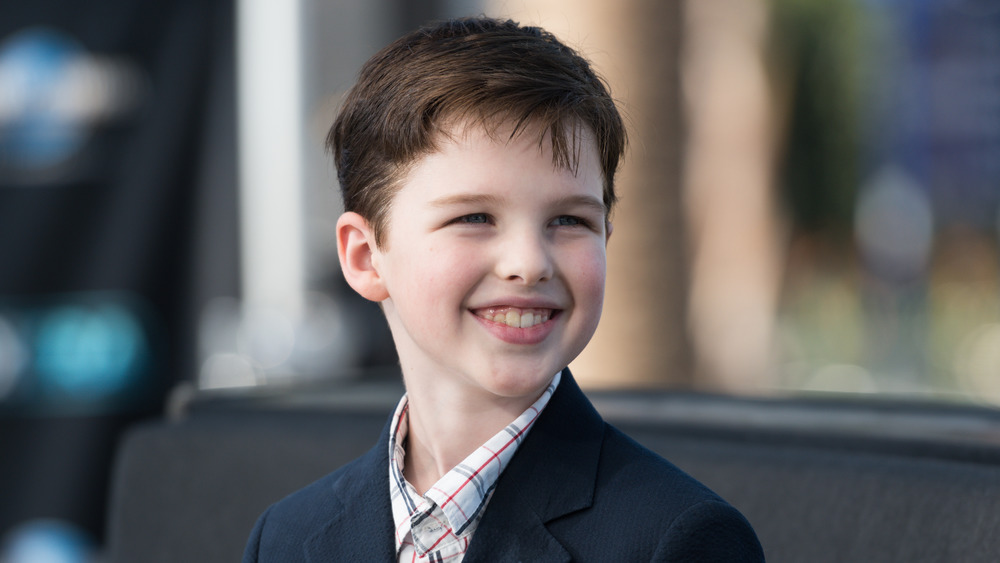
pixel 89 351
pixel 46 541
pixel 34 66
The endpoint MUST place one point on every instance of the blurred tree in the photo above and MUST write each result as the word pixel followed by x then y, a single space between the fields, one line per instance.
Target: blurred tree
pixel 814 56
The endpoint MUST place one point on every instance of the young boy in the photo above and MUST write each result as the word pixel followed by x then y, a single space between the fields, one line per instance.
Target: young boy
pixel 477 161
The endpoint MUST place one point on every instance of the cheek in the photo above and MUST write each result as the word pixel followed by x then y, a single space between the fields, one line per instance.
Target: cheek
pixel 589 271
pixel 588 290
pixel 592 293
pixel 439 276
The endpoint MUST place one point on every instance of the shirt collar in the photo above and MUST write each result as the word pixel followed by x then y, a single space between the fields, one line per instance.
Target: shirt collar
pixel 463 492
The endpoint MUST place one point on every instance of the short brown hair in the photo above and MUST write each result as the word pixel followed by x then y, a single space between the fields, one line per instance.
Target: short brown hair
pixel 480 70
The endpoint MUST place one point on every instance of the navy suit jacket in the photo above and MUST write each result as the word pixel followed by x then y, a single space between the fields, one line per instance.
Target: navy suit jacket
pixel 576 490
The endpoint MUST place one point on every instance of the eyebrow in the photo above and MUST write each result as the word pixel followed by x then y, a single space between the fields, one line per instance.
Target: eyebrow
pixel 586 201
pixel 486 199
pixel 465 199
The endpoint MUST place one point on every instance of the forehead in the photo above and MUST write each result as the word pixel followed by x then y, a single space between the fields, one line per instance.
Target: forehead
pixel 563 141
pixel 471 156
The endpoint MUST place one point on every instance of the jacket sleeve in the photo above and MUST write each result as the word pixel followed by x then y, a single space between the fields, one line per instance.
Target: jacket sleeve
pixel 710 531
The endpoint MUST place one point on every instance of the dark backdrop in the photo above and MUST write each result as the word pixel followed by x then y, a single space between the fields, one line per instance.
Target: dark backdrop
pixel 117 220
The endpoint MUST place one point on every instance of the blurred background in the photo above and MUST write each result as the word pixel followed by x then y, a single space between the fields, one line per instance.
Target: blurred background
pixel 811 204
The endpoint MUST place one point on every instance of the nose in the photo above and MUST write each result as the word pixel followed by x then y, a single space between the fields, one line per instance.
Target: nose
pixel 524 257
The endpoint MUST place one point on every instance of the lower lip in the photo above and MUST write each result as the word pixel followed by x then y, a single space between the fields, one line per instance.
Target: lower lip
pixel 522 336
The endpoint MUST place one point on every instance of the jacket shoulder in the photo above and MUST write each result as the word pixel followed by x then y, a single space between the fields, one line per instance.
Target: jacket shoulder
pixel 711 530
pixel 629 469
pixel 647 507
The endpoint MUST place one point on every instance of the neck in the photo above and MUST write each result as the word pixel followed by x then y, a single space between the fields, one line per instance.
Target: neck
pixel 444 428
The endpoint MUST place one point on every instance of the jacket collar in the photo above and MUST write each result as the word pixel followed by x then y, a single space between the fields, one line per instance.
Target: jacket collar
pixel 361 527
pixel 552 474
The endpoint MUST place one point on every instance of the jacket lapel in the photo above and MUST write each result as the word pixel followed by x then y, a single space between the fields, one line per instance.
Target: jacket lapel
pixel 552 474
pixel 360 528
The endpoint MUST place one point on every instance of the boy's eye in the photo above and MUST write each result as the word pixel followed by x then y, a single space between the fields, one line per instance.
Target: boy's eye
pixel 568 221
pixel 474 218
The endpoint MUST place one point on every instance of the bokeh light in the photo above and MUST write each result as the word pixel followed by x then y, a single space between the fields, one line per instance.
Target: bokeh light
pixel 47 541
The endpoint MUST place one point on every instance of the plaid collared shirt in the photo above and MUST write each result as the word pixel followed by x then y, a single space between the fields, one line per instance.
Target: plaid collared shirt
pixel 438 526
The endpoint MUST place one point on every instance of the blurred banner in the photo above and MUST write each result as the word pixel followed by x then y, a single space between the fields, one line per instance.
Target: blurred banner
pixel 117 184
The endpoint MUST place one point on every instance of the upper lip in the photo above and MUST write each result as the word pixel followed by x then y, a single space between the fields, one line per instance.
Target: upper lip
pixel 520 303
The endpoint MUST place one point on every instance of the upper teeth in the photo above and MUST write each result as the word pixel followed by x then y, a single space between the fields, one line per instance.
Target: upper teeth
pixel 514 317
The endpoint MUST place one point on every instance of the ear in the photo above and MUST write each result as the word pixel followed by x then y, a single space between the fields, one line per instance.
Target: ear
pixel 608 228
pixel 357 251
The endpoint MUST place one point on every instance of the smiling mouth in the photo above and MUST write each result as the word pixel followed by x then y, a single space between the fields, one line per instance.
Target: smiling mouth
pixel 515 317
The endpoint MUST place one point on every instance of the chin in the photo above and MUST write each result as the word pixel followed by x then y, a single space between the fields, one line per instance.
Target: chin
pixel 514 383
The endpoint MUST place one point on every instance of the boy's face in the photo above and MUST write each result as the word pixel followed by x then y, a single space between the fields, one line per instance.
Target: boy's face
pixel 494 264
